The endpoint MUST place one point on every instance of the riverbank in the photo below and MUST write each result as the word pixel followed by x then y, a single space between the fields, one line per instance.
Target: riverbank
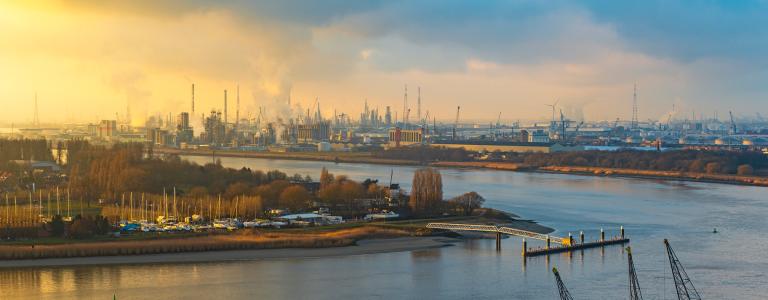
pixel 250 239
pixel 362 247
pixel 614 172
pixel 340 157
pixel 367 158
pixel 387 237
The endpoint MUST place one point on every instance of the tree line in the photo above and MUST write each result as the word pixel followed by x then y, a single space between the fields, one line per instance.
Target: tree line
pixel 712 162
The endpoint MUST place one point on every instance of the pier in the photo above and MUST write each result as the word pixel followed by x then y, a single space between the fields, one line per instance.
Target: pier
pixel 565 244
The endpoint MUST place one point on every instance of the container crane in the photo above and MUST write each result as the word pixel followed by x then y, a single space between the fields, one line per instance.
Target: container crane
pixel 564 294
pixel 733 124
pixel 683 285
pixel 634 285
pixel 434 125
pixel 456 123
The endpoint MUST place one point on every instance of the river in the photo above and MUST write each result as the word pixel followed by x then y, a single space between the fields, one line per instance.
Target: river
pixel 730 264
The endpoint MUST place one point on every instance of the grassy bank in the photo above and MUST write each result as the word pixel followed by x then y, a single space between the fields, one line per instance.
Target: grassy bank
pixel 235 241
pixel 704 177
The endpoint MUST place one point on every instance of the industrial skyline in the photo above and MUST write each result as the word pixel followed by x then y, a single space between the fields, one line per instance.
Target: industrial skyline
pixel 586 56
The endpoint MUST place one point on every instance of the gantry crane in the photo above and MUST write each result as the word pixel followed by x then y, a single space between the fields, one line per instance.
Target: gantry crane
pixel 733 124
pixel 564 294
pixel 683 285
pixel 634 285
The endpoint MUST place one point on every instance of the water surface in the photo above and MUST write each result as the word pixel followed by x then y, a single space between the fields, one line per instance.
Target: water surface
pixel 727 265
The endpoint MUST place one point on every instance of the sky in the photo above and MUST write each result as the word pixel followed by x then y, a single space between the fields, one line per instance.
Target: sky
pixel 92 60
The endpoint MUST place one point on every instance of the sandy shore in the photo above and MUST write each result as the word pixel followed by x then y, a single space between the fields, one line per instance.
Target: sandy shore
pixel 363 247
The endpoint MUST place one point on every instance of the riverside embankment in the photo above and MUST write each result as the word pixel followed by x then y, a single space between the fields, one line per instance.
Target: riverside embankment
pixel 368 158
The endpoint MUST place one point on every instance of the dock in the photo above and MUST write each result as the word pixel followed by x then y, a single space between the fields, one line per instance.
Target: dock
pixel 529 252
pixel 566 244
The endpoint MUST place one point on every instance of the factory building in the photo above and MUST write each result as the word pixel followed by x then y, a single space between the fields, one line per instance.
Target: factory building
pixel 107 128
pixel 399 137
pixel 483 146
pixel 320 131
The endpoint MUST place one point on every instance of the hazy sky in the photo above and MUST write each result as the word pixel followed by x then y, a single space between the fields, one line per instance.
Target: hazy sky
pixel 88 60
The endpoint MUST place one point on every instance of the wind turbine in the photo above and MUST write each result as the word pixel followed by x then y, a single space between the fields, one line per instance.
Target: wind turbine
pixel 553 105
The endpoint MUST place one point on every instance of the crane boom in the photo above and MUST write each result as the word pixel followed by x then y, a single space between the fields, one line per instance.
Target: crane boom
pixel 564 294
pixel 456 123
pixel 634 285
pixel 683 285
pixel 733 124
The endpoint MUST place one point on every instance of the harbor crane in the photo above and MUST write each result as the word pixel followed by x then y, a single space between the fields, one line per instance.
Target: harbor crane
pixel 634 285
pixel 683 285
pixel 733 124
pixel 456 123
pixel 434 125
pixel 564 294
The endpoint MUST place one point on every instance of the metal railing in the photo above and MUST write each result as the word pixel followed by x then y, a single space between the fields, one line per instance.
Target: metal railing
pixel 497 229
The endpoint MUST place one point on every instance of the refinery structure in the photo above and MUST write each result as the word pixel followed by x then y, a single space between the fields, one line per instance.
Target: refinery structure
pixel 411 125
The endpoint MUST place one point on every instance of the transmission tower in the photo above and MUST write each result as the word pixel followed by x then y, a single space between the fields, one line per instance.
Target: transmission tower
pixel 683 285
pixel 634 108
pixel 564 294
pixel 634 285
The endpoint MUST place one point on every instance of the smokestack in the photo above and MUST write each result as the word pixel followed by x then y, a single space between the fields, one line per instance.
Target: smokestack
pixel 405 107
pixel 193 99
pixel 418 110
pixel 225 106
pixel 237 111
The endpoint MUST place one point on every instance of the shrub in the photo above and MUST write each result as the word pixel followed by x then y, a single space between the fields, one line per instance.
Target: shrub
pixel 745 170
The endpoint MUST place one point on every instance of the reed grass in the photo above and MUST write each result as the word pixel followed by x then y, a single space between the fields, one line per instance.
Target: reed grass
pixel 235 241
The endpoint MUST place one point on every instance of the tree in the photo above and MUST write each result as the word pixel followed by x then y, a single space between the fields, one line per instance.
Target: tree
pixel 351 191
pixel 295 198
pixel 745 170
pixel 468 202
pixel 198 192
pixel 426 191
pixel 82 227
pixel 236 189
pixel 696 166
pixel 57 226
pixel 713 168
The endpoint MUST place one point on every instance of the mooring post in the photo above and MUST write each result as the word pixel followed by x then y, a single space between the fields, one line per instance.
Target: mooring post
pixel 525 247
pixel 602 235
pixel 581 237
pixel 498 241
pixel 547 241
pixel 622 232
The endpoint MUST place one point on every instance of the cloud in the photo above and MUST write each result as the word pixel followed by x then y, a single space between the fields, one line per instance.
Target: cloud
pixel 511 54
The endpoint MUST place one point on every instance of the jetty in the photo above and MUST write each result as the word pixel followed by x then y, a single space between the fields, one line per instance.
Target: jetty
pixel 563 244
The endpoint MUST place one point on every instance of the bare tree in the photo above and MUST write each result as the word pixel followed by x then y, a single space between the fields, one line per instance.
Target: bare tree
pixel 468 202
pixel 426 191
